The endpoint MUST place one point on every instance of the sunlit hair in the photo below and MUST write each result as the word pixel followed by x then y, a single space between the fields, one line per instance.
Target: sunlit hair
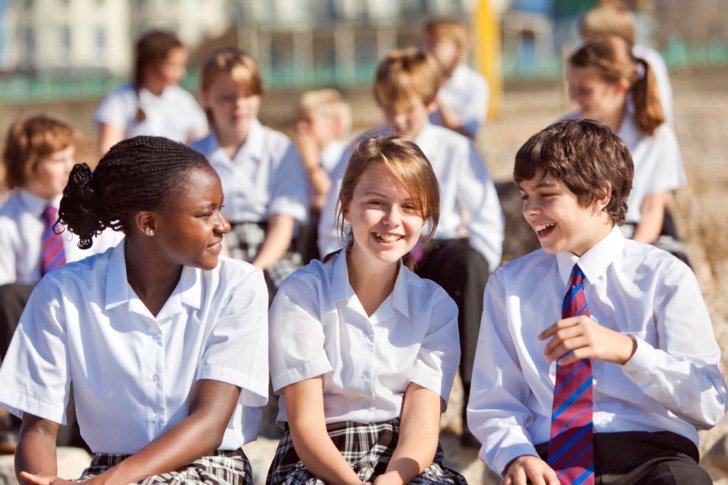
pixel 606 20
pixel 611 57
pixel 406 74
pixel 329 104
pixel 29 140
pixel 451 29
pixel 141 173
pixel 587 156
pixel 408 165
pixel 236 63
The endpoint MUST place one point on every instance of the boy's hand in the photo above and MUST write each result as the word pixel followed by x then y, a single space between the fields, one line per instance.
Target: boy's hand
pixel 586 339
pixel 529 469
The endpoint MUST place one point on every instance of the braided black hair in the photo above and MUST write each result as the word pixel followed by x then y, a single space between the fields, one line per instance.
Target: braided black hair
pixel 136 174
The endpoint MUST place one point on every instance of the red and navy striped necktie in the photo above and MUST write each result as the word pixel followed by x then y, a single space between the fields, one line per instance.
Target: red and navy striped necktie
pixel 52 253
pixel 570 450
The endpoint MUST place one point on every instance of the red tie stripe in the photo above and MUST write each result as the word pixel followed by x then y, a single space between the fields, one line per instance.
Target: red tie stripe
pixel 52 253
pixel 570 448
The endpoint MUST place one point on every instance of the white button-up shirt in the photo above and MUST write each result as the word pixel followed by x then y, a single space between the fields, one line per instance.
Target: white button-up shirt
pixel 264 178
pixel 21 234
pixel 174 114
pixel 672 383
pixel 465 185
pixel 132 372
pixel 466 92
pixel 318 327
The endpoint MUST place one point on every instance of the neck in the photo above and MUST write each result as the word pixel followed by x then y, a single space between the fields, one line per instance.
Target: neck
pixel 231 140
pixel 371 283
pixel 149 276
pixel 614 122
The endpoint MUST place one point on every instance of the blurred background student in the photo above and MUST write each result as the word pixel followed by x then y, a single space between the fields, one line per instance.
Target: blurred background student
pixel 153 103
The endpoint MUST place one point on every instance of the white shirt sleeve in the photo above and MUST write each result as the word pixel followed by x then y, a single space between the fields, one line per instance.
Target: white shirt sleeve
pixel 236 351
pixel 8 271
pixel 35 374
pixel 439 354
pixel 117 108
pixel 477 195
pixel 682 372
pixel 497 413
pixel 296 335
pixel 290 190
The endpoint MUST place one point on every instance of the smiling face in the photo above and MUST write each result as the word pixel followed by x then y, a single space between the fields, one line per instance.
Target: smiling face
pixel 597 99
pixel 407 118
pixel 386 219
pixel 233 108
pixel 50 174
pixel 560 222
pixel 189 228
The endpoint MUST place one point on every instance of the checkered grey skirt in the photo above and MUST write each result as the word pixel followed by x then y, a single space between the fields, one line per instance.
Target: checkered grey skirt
pixel 244 242
pixel 221 467
pixel 368 449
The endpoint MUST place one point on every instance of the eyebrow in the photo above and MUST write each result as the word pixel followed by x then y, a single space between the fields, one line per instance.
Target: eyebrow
pixel 541 184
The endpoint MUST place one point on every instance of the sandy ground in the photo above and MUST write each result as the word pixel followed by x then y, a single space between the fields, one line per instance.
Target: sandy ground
pixel 701 100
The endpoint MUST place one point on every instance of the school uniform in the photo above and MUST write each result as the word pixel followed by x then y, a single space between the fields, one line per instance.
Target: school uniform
pixel 657 64
pixel 132 372
pixel 174 114
pixel 461 265
pixel 265 177
pixel 318 327
pixel 467 93
pixel 21 232
pixel 670 386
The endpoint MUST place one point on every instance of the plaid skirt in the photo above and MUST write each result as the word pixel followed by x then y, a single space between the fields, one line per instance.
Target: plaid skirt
pixel 244 242
pixel 368 449
pixel 220 467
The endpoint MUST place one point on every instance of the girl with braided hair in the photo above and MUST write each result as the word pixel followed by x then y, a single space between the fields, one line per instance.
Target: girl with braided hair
pixel 610 85
pixel 150 333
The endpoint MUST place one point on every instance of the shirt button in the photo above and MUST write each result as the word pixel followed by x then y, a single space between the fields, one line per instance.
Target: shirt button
pixel 155 377
pixel 632 373
pixel 157 418
pixel 365 375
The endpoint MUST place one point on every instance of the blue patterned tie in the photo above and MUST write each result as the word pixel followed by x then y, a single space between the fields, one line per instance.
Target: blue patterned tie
pixel 52 253
pixel 570 449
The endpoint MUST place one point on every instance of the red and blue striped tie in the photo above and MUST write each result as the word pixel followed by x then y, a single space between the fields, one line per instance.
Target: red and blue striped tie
pixel 570 449
pixel 52 253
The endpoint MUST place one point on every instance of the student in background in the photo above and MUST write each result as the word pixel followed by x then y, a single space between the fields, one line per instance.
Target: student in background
pixel 163 342
pixel 153 103
pixel 322 126
pixel 363 351
pixel 617 19
pixel 462 101
pixel 465 248
pixel 266 194
pixel 609 84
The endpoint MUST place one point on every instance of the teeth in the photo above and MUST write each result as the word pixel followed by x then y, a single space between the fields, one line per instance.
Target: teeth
pixel 388 237
pixel 541 227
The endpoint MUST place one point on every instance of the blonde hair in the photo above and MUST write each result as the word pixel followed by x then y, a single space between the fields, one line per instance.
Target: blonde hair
pixel 607 20
pixel 612 58
pixel 404 74
pixel 31 139
pixel 329 103
pixel 410 167
pixel 238 64
pixel 448 29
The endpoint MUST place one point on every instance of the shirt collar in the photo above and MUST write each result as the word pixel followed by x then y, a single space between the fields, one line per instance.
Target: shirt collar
pixel 253 146
pixel 35 204
pixel 595 261
pixel 118 291
pixel 341 289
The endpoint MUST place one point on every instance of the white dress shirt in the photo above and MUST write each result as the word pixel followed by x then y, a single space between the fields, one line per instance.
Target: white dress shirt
pixel 174 114
pixel 465 185
pixel 658 165
pixel 318 327
pixel 657 64
pixel 467 93
pixel 21 235
pixel 264 178
pixel 672 382
pixel 132 372
pixel 331 155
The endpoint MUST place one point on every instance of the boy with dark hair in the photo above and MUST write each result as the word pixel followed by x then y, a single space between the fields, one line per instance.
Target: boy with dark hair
pixel 611 387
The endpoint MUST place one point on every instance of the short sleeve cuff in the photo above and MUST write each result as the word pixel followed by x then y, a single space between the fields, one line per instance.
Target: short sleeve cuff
pixel 432 381
pixel 19 404
pixel 308 370
pixel 289 208
pixel 255 388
